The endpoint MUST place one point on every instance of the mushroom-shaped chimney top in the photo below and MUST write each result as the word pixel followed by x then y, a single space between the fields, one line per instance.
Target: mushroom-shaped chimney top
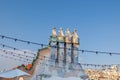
pixel 68 33
pixel 54 32
pixel 74 34
pixel 61 34
pixel 75 37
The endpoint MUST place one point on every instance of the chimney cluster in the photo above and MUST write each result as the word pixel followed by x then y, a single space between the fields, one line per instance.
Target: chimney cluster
pixel 68 39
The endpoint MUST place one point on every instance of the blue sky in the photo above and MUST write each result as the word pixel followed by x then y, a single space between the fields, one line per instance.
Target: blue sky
pixel 97 23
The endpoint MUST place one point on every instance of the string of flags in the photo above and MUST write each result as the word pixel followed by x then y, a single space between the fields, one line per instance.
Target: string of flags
pixel 42 45
pixel 4 45
pixel 50 60
pixel 15 39
pixel 16 59
pixel 16 55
